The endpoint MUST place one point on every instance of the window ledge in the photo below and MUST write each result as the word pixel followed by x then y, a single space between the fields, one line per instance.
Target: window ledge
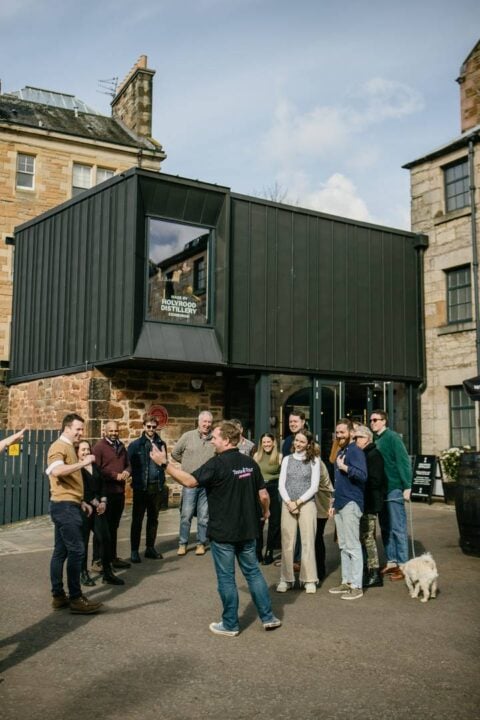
pixel 452 215
pixel 456 327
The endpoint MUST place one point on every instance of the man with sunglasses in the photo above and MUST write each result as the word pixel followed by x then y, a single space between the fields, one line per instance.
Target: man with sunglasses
pixel 148 479
pixel 392 517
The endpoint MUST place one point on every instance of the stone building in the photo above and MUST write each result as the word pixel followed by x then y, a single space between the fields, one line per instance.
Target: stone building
pixel 52 147
pixel 445 196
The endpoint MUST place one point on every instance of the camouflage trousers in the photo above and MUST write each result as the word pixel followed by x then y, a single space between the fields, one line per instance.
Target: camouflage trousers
pixel 367 538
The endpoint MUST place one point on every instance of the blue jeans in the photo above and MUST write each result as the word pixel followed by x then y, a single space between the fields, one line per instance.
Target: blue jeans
pixel 68 520
pixel 224 555
pixel 393 524
pixel 193 499
pixel 347 521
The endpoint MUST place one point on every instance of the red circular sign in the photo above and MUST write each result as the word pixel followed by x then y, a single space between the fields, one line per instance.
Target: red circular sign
pixel 160 413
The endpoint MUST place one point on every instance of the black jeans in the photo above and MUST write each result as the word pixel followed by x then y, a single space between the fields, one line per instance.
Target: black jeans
pixel 149 502
pixel 113 513
pixel 101 543
pixel 320 548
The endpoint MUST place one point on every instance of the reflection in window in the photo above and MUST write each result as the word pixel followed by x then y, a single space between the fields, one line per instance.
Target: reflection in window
pixel 177 272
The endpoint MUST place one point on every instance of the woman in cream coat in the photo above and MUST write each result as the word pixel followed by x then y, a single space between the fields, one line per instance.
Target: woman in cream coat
pixel 299 480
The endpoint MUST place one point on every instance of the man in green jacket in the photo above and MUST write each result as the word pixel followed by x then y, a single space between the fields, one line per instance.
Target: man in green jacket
pixel 393 518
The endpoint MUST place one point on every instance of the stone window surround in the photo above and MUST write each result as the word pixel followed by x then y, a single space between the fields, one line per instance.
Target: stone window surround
pixel 466 326
pixel 452 215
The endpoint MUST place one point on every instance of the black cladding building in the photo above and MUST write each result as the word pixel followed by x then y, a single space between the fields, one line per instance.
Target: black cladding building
pixel 293 308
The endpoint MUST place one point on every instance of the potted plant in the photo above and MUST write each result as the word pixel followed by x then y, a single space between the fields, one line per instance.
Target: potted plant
pixel 450 460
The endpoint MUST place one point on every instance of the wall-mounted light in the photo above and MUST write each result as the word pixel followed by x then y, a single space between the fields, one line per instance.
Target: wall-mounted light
pixel 196 383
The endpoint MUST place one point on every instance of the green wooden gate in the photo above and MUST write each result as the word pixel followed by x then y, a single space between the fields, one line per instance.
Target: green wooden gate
pixel 24 487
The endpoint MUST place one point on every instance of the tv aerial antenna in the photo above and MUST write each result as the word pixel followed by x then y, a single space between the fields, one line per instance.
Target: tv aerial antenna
pixel 108 86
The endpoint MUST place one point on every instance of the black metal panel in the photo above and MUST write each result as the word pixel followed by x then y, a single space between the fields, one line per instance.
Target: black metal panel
pixel 74 283
pixel 79 295
pixel 314 293
pixel 294 290
pixel 177 199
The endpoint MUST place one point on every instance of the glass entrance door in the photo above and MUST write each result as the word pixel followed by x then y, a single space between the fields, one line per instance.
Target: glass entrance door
pixel 328 403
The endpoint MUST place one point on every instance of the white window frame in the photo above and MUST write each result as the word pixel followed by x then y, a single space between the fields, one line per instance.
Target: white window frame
pixel 28 171
pixel 108 174
pixel 94 172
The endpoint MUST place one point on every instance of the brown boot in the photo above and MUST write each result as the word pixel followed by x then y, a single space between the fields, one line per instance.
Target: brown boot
pixel 60 601
pixel 84 606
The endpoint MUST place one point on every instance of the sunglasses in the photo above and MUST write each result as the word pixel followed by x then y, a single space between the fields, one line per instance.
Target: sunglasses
pixel 151 427
pixel 376 419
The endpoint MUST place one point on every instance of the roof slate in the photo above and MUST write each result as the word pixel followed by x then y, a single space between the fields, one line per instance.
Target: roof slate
pixel 15 111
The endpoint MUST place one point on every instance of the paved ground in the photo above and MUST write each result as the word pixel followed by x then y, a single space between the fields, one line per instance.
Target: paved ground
pixel 150 654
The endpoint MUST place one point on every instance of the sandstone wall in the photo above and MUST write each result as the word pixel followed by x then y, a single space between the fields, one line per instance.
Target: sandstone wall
pixel 121 395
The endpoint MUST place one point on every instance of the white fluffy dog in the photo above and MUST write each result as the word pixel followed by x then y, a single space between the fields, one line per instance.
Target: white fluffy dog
pixel 421 574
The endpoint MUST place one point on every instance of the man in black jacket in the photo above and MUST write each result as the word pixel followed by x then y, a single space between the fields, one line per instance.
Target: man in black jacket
pixel 375 493
pixel 148 479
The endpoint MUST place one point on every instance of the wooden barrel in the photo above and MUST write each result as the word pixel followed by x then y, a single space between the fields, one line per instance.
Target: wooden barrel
pixel 467 503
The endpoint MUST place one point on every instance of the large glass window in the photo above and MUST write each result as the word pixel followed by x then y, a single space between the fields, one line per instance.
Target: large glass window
pixel 457 193
pixel 25 171
pixel 178 272
pixel 462 418
pixel 459 294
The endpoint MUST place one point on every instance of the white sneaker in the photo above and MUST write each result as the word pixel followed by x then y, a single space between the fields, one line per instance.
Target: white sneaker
pixel 218 629
pixel 283 586
pixel 311 588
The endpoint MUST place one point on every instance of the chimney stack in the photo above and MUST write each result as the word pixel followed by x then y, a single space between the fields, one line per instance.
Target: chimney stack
pixel 132 105
pixel 469 81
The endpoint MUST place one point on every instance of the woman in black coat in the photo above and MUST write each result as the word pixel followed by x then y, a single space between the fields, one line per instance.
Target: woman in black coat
pixel 96 522
pixel 375 493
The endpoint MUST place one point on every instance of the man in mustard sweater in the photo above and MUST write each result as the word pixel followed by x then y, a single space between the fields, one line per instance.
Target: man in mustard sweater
pixel 392 517
pixel 66 507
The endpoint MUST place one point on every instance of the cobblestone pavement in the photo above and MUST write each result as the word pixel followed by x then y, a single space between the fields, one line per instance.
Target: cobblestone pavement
pixel 150 654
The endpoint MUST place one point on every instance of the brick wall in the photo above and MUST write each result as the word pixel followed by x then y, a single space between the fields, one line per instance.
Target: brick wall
pixel 121 395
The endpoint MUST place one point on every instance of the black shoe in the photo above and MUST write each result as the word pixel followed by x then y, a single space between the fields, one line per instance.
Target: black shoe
pixel 135 557
pixel 268 559
pixel 373 579
pixel 151 553
pixel 119 563
pixel 110 578
pixel 85 578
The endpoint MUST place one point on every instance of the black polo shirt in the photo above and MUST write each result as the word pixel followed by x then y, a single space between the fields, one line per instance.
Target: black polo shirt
pixel 232 482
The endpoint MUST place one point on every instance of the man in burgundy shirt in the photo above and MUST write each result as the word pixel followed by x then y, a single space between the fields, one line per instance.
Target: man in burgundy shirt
pixel 112 459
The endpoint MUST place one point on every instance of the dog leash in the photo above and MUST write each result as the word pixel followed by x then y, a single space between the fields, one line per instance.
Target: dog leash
pixel 410 514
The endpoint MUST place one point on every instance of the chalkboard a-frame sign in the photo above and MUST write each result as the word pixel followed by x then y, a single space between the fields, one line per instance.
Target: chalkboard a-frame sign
pixel 424 472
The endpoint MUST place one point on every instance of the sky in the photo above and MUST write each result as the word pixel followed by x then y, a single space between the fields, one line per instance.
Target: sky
pixel 319 101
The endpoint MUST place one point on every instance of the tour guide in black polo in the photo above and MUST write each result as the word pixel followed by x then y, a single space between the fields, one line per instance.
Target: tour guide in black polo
pixel 234 487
